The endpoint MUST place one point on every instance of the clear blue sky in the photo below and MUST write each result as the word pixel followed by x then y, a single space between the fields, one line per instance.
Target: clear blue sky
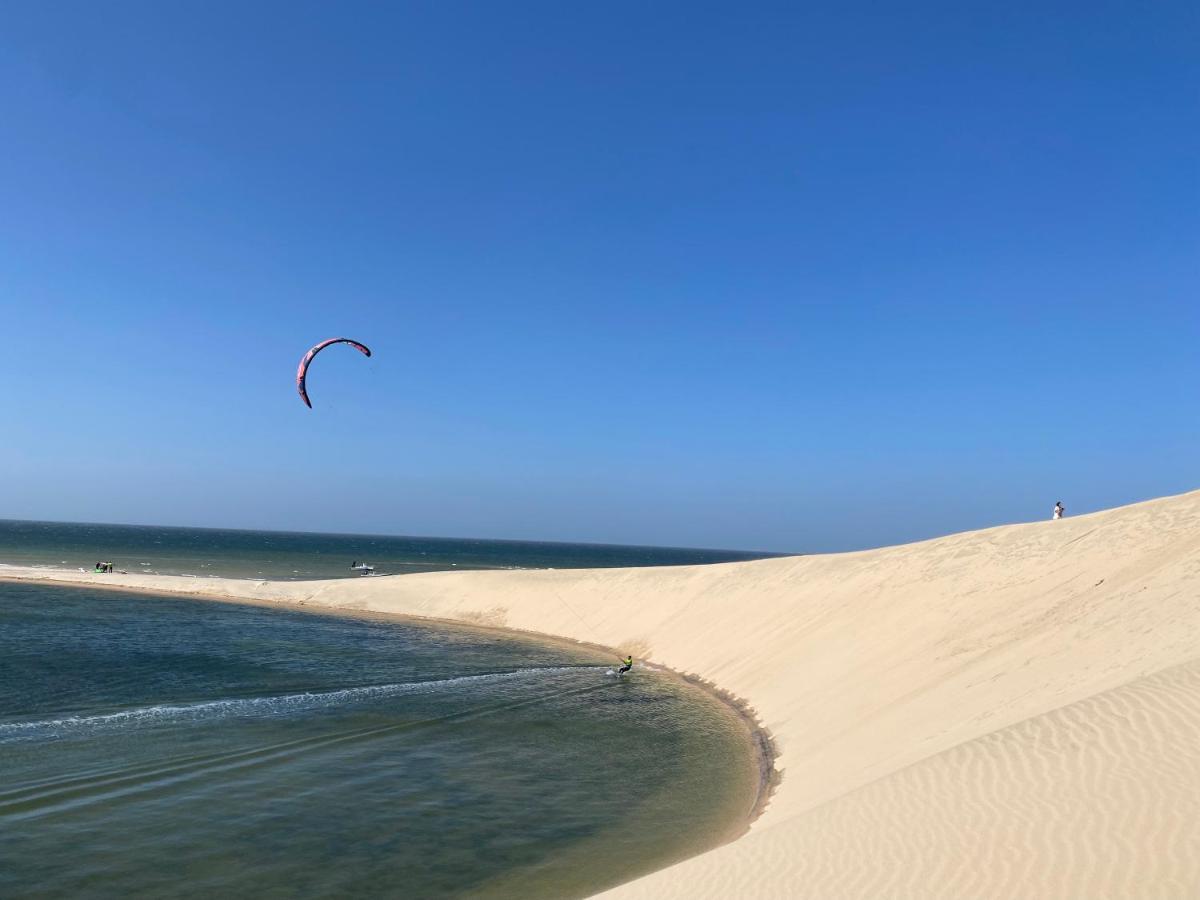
pixel 783 276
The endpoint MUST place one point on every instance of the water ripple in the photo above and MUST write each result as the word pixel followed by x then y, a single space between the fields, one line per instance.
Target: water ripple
pixel 246 707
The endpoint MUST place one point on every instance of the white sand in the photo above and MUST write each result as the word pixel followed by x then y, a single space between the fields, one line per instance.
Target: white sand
pixel 1005 713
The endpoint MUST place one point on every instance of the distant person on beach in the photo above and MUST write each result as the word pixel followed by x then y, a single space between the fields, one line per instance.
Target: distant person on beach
pixel 1059 510
pixel 626 665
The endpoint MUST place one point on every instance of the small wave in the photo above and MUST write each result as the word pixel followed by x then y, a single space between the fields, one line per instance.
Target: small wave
pixel 251 707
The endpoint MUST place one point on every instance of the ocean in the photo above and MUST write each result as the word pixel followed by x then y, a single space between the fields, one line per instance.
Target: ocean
pixel 167 747
pixel 201 552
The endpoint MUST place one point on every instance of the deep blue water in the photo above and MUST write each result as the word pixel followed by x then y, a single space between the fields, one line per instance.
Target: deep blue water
pixel 163 747
pixel 292 555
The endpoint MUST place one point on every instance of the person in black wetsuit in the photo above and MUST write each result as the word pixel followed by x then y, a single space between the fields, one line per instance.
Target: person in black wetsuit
pixel 626 665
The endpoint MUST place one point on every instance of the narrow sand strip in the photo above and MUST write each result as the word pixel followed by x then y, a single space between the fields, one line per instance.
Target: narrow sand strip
pixel 1004 713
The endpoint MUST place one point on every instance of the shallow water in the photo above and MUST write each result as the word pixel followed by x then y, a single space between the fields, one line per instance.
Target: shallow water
pixel 202 552
pixel 177 748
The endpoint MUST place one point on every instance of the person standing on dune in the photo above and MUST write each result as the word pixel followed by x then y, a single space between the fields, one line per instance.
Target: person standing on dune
pixel 1059 511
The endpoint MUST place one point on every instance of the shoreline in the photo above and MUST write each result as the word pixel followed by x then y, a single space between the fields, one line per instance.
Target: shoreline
pixel 945 714
pixel 758 738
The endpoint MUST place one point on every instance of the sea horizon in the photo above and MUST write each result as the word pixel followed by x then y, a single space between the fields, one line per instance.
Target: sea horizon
pixel 312 555
pixel 758 552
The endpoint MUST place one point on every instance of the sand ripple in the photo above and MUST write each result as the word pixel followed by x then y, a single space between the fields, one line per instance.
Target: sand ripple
pixel 1100 798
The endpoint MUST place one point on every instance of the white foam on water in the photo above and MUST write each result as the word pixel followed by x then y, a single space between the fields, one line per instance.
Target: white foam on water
pixel 248 707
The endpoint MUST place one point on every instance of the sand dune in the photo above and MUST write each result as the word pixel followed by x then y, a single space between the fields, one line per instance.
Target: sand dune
pixel 1005 713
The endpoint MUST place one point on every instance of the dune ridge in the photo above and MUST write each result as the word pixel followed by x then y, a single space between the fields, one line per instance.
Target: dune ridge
pixel 1006 712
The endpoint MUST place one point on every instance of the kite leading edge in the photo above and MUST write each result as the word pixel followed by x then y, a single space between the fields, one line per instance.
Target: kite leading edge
pixel 302 372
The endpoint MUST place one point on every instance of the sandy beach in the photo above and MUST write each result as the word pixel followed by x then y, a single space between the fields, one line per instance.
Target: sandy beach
pixel 1012 712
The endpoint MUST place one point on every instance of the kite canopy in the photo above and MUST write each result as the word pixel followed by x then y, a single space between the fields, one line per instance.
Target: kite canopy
pixel 302 372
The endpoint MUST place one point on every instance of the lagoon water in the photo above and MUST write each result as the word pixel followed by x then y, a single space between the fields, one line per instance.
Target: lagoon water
pixel 200 552
pixel 181 748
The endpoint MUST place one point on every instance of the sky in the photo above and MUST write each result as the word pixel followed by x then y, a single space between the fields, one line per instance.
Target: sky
pixel 798 277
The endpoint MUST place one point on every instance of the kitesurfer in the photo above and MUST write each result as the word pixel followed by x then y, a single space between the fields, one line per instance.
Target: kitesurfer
pixel 626 665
